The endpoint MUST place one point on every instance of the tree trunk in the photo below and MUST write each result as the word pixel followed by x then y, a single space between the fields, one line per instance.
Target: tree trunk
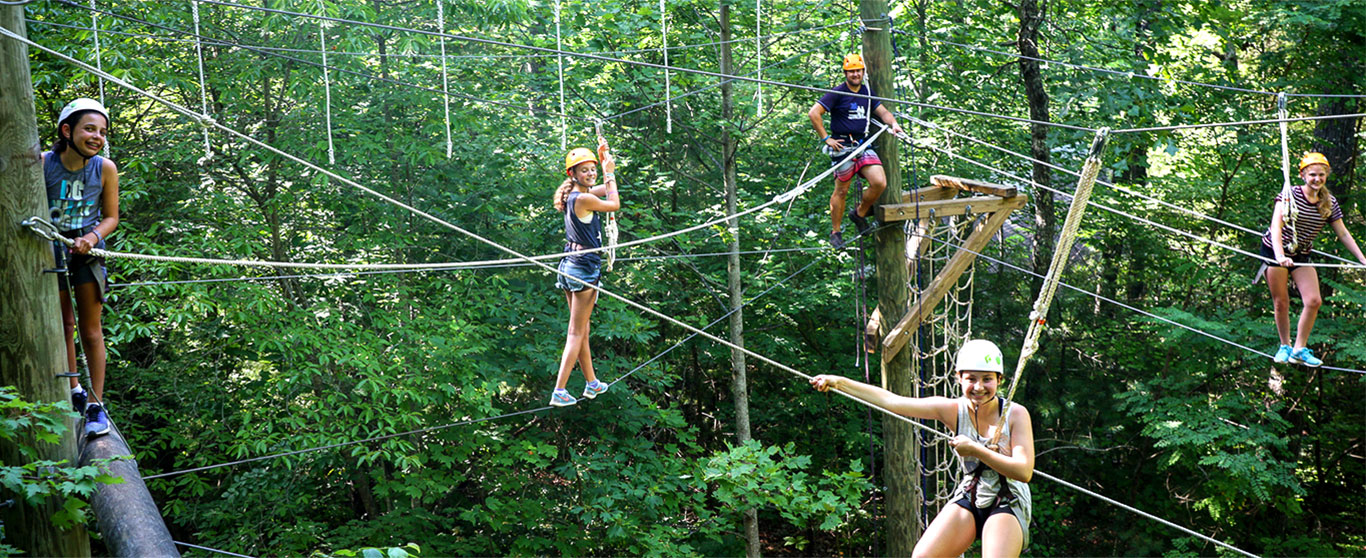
pixel 739 387
pixel 1337 140
pixel 1031 15
pixel 900 468
pixel 32 351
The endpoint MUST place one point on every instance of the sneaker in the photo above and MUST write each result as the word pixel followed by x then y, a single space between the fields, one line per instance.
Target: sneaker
pixel 96 421
pixel 1283 355
pixel 860 222
pixel 561 398
pixel 78 400
pixel 1305 356
pixel 594 389
pixel 836 241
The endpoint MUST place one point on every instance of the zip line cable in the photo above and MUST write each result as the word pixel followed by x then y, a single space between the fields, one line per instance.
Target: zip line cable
pixel 1117 187
pixel 1235 123
pixel 1122 213
pixel 601 58
pixel 456 266
pixel 471 421
pixel 213 550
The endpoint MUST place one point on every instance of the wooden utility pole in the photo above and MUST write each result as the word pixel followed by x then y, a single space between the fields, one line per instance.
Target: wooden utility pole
pixel 900 471
pixel 31 349
pixel 739 384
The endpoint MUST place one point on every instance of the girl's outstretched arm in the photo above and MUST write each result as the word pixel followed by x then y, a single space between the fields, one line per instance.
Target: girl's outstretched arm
pixel 1348 241
pixel 942 409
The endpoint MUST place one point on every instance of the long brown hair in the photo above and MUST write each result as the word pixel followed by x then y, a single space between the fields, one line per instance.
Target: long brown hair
pixel 1325 204
pixel 562 194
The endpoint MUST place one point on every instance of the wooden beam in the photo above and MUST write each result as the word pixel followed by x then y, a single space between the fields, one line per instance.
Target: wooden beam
pixel 872 333
pixel 932 193
pixel 898 337
pixel 942 208
pixel 970 185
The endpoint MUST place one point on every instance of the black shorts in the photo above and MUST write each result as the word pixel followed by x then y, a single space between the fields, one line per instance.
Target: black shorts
pixel 1270 255
pixel 980 516
pixel 81 268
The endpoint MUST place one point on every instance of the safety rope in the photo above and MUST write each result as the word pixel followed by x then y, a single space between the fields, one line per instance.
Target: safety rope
pixel 1289 211
pixel 668 87
pixel 759 56
pixel 610 230
pixel 445 77
pixel 327 82
pixel 203 93
pixel 559 62
pixel 1061 253
pixel 99 60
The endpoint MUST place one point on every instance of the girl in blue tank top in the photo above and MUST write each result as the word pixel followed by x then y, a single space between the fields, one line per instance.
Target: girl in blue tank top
pixel 83 195
pixel 992 499
pixel 579 198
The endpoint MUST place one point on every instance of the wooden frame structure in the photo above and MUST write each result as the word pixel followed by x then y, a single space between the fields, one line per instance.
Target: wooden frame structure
pixel 931 203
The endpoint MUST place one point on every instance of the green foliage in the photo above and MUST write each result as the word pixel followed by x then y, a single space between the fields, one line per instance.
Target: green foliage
pixel 37 480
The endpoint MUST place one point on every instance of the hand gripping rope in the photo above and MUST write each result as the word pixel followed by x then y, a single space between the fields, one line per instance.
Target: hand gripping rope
pixel 1038 317
pixel 1290 213
pixel 609 229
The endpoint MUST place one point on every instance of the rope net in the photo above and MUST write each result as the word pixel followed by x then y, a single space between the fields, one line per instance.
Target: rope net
pixel 945 329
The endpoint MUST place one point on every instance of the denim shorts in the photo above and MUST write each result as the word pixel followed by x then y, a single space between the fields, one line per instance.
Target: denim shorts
pixel 584 273
pixel 1270 254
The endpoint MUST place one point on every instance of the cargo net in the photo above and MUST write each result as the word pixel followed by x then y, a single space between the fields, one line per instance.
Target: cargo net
pixel 941 333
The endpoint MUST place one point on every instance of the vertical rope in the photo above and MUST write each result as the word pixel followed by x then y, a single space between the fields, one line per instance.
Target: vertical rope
pixel 1290 213
pixel 445 79
pixel 203 92
pixel 609 229
pixel 99 64
pixel 759 54
pixel 1037 318
pixel 327 81
pixel 559 62
pixel 664 36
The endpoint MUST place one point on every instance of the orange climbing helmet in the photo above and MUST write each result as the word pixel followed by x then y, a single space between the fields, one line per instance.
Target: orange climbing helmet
pixel 853 62
pixel 1314 158
pixel 577 156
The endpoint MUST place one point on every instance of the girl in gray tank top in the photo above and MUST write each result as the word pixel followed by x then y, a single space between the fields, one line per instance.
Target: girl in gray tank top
pixel 992 499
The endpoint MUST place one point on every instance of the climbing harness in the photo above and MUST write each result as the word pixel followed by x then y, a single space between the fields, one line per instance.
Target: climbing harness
pixel 1038 316
pixel 1289 212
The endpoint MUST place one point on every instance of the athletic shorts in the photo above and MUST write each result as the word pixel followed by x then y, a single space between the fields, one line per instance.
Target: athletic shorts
pixel 979 516
pixel 1270 255
pixel 584 273
pixel 82 268
pixel 851 167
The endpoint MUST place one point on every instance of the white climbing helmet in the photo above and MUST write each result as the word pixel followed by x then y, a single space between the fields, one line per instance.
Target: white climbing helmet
pixel 83 103
pixel 980 355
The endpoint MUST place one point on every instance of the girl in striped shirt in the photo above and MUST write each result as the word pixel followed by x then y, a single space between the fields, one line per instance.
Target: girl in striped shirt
pixel 1315 207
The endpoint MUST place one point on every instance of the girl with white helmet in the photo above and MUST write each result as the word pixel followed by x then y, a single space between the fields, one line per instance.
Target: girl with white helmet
pixel 580 198
pixel 1283 247
pixel 83 194
pixel 992 499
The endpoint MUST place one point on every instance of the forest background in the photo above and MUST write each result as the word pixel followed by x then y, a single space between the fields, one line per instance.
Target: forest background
pixel 1175 423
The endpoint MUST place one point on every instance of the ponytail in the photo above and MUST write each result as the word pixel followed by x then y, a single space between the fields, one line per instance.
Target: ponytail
pixel 562 194
pixel 1325 205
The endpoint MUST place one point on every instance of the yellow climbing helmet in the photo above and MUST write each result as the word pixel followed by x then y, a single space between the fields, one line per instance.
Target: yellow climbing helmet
pixel 577 156
pixel 853 62
pixel 1314 158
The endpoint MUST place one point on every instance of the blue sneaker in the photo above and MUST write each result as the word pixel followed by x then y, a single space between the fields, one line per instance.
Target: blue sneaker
pixel 1305 356
pixel 1283 354
pixel 594 389
pixel 96 421
pixel 78 400
pixel 561 398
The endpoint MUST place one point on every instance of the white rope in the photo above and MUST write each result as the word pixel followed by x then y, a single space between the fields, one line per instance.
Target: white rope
pixel 559 62
pixel 758 55
pixel 664 38
pixel 1128 191
pixel 327 81
pixel 99 62
pixel 445 79
pixel 203 92
pixel 1290 212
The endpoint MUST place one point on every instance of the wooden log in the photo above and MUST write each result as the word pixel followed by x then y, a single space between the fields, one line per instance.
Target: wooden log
pixel 897 338
pixel 127 516
pixel 872 333
pixel 970 185
pixel 942 208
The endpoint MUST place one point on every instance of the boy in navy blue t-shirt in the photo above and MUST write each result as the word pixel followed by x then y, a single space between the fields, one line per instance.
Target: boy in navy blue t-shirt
pixel 848 127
